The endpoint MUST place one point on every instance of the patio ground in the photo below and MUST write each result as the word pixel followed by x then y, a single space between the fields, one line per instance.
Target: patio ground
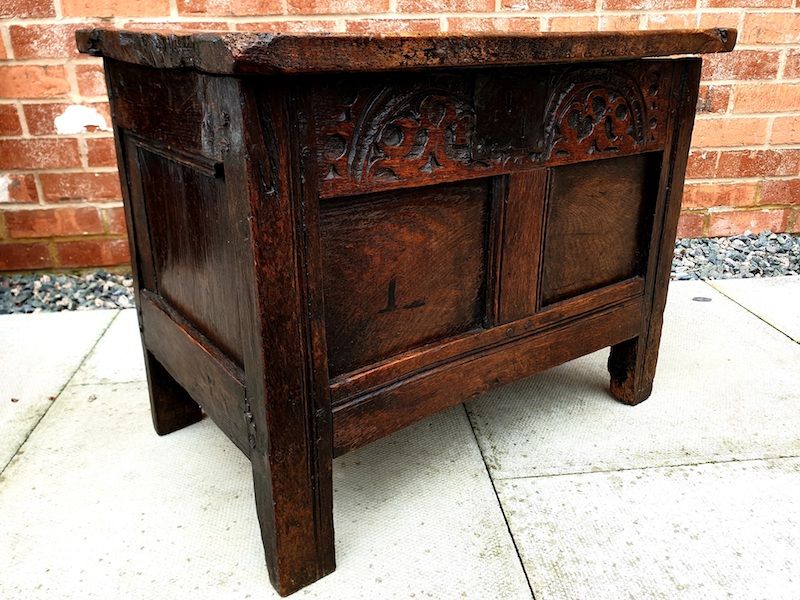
pixel 545 487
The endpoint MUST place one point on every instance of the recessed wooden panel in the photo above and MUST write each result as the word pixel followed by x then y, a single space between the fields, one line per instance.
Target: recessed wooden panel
pixel 402 269
pixel 192 243
pixel 599 216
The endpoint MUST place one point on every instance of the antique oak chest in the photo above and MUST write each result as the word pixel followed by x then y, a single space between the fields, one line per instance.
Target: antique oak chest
pixel 335 236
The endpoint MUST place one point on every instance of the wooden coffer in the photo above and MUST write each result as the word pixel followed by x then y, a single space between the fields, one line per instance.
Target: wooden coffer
pixel 336 236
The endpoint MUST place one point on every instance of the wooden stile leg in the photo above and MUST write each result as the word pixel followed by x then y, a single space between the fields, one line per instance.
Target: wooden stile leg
pixel 171 406
pixel 631 383
pixel 632 364
pixel 297 554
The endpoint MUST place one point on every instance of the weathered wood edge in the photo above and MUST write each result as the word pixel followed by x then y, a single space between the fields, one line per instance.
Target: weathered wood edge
pixel 228 53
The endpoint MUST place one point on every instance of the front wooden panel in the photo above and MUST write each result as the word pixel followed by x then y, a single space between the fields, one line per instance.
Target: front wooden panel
pixel 597 225
pixel 463 203
pixel 402 269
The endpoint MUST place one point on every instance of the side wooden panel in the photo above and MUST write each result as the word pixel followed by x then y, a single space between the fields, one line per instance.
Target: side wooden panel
pixel 523 230
pixel 191 239
pixel 174 138
pixel 402 269
pixel 375 415
pixel 186 354
pixel 196 131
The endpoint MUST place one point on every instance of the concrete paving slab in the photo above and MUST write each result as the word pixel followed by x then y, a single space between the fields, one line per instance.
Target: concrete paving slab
pixel 99 507
pixel 38 354
pixel 727 530
pixel 118 357
pixel 774 299
pixel 726 388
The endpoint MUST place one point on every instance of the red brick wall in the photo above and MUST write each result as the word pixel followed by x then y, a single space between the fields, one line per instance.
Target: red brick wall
pixel 59 195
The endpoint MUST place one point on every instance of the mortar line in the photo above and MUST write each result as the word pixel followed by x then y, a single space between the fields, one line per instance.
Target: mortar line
pixel 651 467
pixel 499 503
pixel 60 391
pixel 736 302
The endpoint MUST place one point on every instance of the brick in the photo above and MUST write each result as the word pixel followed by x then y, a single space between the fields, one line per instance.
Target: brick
pixel 101 152
pixel 292 26
pixel 545 5
pixel 39 154
pixel 786 130
pixel 433 6
pixel 323 7
pixel 745 221
pixel 53 222
pixel 33 81
pixel 719 19
pixel 701 164
pixel 656 21
pixel 766 97
pixel 93 253
pixel 758 163
pixel 9 120
pixel 41 118
pixel 26 9
pixel 706 195
pixel 619 22
pixel 17 188
pixel 563 24
pixel 745 3
pixel 91 80
pixel 791 222
pixel 741 64
pixel 712 133
pixel 690 225
pixel 713 98
pixel 647 4
pixel 230 7
pixel 45 41
pixel 115 8
pixel 781 191
pixel 80 186
pixel 494 24
pixel 393 26
pixel 3 54
pixel 792 68
pixel 771 28
pixel 177 25
pixel 115 218
pixel 24 257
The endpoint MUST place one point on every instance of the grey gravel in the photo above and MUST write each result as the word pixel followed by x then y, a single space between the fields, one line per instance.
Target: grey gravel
pixel 741 256
pixel 56 292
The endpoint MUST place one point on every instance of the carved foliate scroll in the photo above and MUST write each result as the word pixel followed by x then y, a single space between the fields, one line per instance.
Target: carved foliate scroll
pixel 386 135
pixel 425 133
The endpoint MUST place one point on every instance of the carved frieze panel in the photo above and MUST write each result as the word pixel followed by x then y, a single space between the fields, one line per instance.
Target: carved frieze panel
pixel 371 136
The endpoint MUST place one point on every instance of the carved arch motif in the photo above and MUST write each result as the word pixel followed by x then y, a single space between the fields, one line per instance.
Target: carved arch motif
pixel 599 111
pixel 419 133
pixel 397 134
